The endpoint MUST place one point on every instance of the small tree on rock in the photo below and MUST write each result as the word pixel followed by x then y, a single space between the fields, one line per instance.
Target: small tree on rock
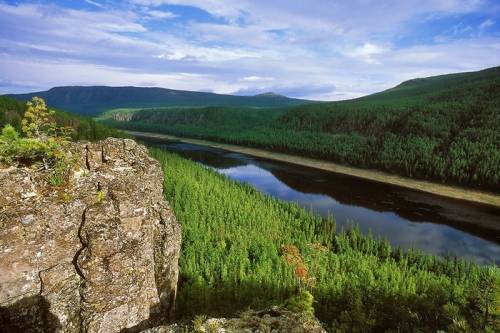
pixel 45 142
pixel 38 121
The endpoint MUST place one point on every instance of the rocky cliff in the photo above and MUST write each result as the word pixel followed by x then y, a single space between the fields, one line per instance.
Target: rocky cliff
pixel 99 254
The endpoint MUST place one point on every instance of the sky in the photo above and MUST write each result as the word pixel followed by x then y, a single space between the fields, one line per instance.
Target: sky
pixel 314 49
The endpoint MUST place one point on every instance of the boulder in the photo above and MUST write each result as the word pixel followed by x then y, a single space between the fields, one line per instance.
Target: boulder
pixel 98 254
pixel 273 320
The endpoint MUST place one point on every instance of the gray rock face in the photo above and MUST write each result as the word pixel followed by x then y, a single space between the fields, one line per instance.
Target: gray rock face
pixel 273 320
pixel 99 254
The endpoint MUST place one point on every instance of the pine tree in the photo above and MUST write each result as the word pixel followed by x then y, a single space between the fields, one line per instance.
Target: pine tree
pixel 38 121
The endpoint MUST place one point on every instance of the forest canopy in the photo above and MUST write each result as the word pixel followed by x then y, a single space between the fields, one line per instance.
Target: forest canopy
pixel 244 249
pixel 444 128
pixel 12 112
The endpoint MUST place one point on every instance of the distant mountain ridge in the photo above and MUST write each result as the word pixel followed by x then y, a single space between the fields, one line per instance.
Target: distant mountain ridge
pixel 92 100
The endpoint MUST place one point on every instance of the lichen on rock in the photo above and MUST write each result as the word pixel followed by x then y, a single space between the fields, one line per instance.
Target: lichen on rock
pixel 272 320
pixel 72 263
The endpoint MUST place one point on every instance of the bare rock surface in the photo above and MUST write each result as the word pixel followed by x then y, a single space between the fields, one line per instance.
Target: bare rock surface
pixel 273 320
pixel 99 254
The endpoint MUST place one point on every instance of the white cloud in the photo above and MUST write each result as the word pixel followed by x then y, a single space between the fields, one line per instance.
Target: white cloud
pixel 193 53
pixel 255 78
pixel 329 50
pixel 161 14
pixel 486 24
pixel 50 74
pixel 95 3
pixel 216 7
pixel 339 17
pixel 367 51
pixel 61 21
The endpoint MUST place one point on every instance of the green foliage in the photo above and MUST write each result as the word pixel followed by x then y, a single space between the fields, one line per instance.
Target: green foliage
pixel 444 128
pixel 198 322
pixel 48 134
pixel 301 303
pixel 12 112
pixel 45 144
pixel 100 196
pixel 13 148
pixel 9 134
pixel 51 152
pixel 242 249
pixel 38 121
pixel 60 173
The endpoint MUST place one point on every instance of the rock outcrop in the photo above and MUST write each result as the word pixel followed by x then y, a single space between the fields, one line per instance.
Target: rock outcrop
pixel 273 320
pixel 99 254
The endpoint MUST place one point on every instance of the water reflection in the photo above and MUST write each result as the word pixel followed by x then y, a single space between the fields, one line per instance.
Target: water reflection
pixel 406 218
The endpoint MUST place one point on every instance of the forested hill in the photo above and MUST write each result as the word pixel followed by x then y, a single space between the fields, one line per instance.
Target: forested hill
pixel 444 128
pixel 421 89
pixel 12 111
pixel 95 99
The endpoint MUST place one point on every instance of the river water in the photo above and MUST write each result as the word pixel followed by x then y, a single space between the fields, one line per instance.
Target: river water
pixel 405 217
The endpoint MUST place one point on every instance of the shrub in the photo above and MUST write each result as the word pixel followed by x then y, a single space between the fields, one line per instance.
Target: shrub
pixel 38 121
pixel 301 303
pixel 44 144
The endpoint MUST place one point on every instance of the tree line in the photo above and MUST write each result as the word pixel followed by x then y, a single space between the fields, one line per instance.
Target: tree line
pixel 445 129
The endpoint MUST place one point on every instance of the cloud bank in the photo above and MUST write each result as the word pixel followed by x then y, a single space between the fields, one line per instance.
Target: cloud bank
pixel 319 50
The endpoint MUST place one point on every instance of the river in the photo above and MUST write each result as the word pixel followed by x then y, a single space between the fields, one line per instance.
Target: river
pixel 406 218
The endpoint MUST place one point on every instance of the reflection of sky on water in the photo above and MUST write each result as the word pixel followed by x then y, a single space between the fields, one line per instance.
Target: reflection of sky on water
pixel 406 218
pixel 434 238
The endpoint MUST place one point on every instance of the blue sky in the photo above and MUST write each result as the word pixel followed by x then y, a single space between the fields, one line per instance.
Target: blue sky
pixel 321 49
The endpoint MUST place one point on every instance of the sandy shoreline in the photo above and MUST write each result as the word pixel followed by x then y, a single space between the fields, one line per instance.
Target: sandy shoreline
pixel 378 176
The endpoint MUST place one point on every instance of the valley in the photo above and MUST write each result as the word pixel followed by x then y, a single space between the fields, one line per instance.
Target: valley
pixel 443 129
pixel 174 166
pixel 404 217
pixel 477 196
pixel 242 248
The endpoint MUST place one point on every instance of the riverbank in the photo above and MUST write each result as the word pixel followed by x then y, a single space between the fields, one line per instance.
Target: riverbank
pixel 373 175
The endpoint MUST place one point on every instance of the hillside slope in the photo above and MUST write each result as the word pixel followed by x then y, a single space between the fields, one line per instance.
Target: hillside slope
pixel 95 99
pixel 444 128
pixel 244 249
pixel 423 88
